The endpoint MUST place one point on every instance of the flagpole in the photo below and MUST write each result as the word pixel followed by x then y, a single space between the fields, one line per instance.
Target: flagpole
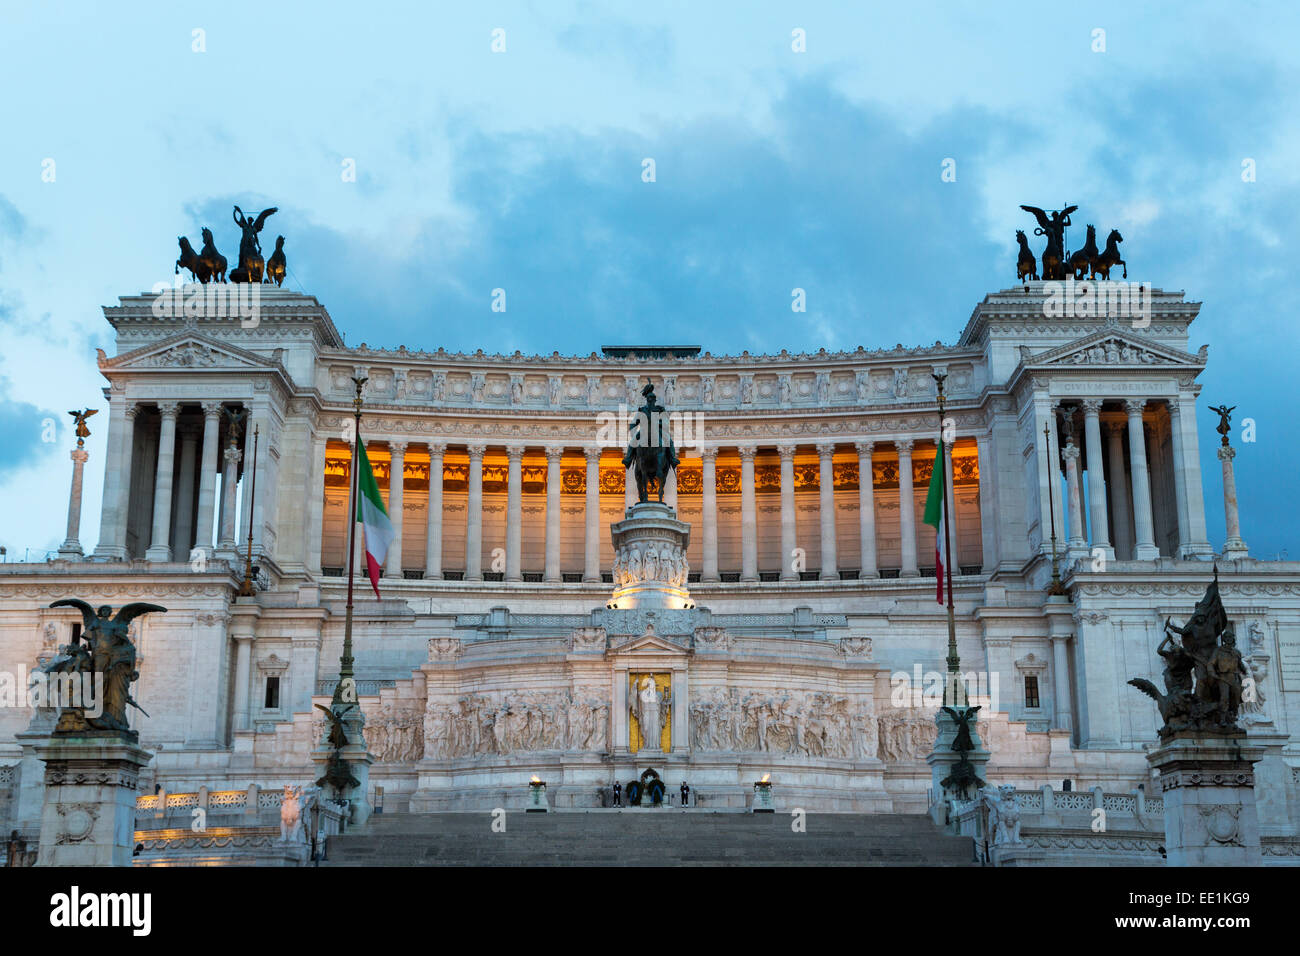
pixel 345 662
pixel 954 661
pixel 246 588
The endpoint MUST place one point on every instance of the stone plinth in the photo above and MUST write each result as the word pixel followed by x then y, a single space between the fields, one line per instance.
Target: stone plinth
pixel 650 567
pixel 942 759
pixel 1208 784
pixel 91 780
pixel 358 759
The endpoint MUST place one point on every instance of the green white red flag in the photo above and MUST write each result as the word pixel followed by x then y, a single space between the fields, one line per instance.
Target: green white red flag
pixel 373 517
pixel 934 505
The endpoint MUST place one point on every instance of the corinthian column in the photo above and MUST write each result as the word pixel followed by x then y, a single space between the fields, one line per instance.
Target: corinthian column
pixel 117 478
pixel 867 511
pixel 1096 478
pixel 748 516
pixel 474 516
pixel 433 537
pixel 788 573
pixel 71 547
pixel 709 514
pixel 396 486
pixel 1146 549
pixel 1234 547
pixel 1076 545
pixel 591 545
pixel 160 547
pixel 208 475
pixel 1119 492
pixel 229 482
pixel 826 480
pixel 552 570
pixel 514 519
pixel 906 509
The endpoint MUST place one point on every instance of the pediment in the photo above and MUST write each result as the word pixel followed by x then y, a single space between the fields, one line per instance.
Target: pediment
pixel 186 352
pixel 649 643
pixel 1112 348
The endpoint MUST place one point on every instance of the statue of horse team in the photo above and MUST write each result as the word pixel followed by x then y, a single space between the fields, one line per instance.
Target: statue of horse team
pixel 208 265
pixel 1085 263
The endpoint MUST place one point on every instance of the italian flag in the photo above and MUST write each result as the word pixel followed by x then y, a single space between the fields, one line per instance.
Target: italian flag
pixel 373 517
pixel 934 505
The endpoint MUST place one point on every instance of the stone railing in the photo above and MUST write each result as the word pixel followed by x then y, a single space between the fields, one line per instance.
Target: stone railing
pixel 1076 827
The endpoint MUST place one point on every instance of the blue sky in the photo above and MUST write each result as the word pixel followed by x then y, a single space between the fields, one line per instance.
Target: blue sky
pixel 522 170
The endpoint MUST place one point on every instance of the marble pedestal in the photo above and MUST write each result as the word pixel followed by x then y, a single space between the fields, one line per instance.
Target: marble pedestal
pixel 1208 784
pixel 942 759
pixel 358 759
pixel 91 782
pixel 650 566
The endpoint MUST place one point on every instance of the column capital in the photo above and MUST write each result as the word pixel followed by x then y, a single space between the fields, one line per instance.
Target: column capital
pixel 593 452
pixel 864 447
pixel 514 452
pixel 438 448
pixel 1227 453
pixel 1092 407
pixel 747 452
pixel 397 448
pixel 786 451
pixel 211 409
pixel 1114 427
pixel 826 449
pixel 169 409
pixel 476 451
pixel 1134 406
pixel 1070 452
pixel 131 411
pixel 709 453
pixel 80 455
pixel 1174 403
pixel 554 453
pixel 233 454
pixel 905 445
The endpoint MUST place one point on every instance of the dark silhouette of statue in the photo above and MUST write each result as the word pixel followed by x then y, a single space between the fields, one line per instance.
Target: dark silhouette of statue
pixel 1224 428
pixel 251 263
pixel 1026 264
pixel 80 418
pixel 650 447
pixel 108 651
pixel 1085 259
pixel 1109 257
pixel 190 261
pixel 213 262
pixel 1053 227
pixel 275 266
pixel 1203 672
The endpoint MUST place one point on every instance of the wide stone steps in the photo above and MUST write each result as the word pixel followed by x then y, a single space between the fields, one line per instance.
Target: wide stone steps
pixel 648 837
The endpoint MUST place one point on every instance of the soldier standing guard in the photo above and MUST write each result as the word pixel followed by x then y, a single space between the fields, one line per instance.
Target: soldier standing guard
pixel 686 794
pixel 618 794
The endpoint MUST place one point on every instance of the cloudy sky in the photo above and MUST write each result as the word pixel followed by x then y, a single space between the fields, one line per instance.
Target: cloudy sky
pixel 522 169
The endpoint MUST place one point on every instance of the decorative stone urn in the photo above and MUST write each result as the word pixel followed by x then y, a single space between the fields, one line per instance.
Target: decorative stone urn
pixel 650 567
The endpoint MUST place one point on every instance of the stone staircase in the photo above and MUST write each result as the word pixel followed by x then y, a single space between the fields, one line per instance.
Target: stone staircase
pixel 663 837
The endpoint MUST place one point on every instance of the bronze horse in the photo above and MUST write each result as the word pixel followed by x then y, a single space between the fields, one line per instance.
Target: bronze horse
pixel 190 260
pixel 1026 265
pixel 1109 257
pixel 650 447
pixel 1085 258
pixel 275 265
pixel 214 261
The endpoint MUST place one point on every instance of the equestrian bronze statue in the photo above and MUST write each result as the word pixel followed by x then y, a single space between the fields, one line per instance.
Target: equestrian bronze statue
pixel 650 447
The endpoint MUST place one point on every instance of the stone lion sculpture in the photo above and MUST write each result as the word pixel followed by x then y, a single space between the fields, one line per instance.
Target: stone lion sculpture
pixel 1004 814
